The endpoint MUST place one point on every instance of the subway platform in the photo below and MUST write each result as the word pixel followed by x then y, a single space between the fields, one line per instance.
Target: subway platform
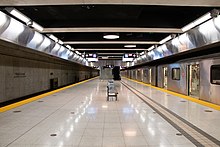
pixel 81 116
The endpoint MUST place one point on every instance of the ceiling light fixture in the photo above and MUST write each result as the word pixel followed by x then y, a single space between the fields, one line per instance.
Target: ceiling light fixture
pixel 18 14
pixel 53 37
pixel 142 53
pixel 68 46
pixel 60 42
pixel 72 49
pixel 166 39
pixel 37 26
pixel 150 48
pixel 111 36
pixel 130 46
pixel 104 57
pixel 92 59
pixel 78 52
pixel 197 22
pixel 127 59
pixel 24 18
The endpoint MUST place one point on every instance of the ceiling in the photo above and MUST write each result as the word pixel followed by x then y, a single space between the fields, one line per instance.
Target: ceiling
pixel 83 26
pixel 206 3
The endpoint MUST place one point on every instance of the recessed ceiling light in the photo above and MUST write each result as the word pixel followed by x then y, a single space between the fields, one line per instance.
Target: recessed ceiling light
pixel 130 46
pixel 111 36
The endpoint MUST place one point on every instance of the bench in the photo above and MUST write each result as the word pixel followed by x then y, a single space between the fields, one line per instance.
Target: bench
pixel 111 90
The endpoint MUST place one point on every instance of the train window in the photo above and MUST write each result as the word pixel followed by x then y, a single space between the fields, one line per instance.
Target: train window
pixel 176 73
pixel 215 74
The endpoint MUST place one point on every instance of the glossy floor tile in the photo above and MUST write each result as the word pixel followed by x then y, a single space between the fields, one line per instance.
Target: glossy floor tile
pixel 190 111
pixel 81 116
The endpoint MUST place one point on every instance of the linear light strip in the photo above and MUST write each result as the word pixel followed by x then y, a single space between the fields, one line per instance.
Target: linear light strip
pixel 166 39
pixel 110 49
pixel 113 29
pixel 110 53
pixel 151 48
pixel 111 42
pixel 197 22
pixel 24 18
pixel 18 14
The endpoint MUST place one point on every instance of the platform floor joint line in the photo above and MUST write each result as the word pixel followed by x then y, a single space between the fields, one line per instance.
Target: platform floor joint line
pixel 201 102
pixel 197 136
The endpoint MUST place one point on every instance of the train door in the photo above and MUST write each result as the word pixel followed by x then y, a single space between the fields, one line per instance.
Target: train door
pixel 134 75
pixel 145 75
pixel 165 77
pixel 193 80
pixel 150 78
pixel 139 74
pixel 142 75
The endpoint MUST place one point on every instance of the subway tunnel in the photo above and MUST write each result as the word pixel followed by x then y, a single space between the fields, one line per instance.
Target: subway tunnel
pixel 109 73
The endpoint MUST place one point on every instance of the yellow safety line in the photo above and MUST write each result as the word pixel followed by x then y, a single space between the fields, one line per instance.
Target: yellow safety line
pixel 20 103
pixel 201 102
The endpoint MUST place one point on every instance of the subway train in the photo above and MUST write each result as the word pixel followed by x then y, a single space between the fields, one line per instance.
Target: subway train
pixel 196 77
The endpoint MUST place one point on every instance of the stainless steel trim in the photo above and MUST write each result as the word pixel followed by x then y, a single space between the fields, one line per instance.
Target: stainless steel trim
pixel 14 31
pixel 206 34
pixel 214 3
pixel 112 29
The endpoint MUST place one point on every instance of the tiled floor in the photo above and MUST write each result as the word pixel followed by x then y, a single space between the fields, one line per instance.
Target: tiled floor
pixel 190 111
pixel 81 116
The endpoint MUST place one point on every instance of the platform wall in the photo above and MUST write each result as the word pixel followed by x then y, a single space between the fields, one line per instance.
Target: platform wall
pixel 24 73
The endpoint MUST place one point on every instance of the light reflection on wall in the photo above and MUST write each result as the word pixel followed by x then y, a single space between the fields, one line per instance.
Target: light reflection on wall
pixel 36 40
pixel 56 48
pixel 216 22
pixel 185 43
pixel 46 42
pixel 13 31
pixel 3 19
pixel 209 30
pixel 175 42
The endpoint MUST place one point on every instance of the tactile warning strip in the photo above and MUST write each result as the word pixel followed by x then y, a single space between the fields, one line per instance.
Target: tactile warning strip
pixel 194 134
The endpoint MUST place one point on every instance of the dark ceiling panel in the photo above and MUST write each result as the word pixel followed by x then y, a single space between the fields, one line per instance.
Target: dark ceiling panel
pixel 113 15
